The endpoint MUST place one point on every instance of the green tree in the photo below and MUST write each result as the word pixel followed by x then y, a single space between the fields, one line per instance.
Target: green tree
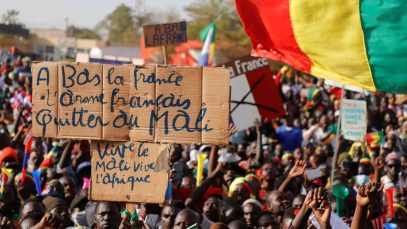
pixel 85 33
pixel 125 25
pixel 120 25
pixel 10 17
pixel 231 38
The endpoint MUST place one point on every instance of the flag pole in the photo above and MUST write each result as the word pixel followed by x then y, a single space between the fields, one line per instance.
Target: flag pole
pixel 165 54
pixel 336 149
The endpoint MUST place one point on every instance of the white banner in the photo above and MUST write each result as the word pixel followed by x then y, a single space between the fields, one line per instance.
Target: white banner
pixel 353 119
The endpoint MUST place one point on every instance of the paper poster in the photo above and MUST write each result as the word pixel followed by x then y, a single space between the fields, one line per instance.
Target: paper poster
pixel 353 119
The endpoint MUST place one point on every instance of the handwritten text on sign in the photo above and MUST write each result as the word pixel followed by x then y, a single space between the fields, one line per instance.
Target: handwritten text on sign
pixel 129 171
pixel 165 34
pixel 353 113
pixel 144 103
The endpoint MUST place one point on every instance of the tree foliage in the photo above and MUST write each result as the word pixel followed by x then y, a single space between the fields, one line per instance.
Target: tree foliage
pixel 84 33
pixel 231 38
pixel 124 25
pixel 120 26
pixel 10 17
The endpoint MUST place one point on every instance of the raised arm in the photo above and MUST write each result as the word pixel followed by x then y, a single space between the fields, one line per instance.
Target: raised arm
pixel 17 121
pixel 259 157
pixel 213 160
pixel 196 196
pixel 297 170
pixel 362 203
pixel 66 155
pixel 301 219
pixel 378 165
pixel 321 209
pixel 367 195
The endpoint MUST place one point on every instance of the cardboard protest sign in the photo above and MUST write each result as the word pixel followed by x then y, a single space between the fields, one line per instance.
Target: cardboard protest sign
pixel 212 106
pixel 165 34
pixel 254 94
pixel 45 99
pixel 129 171
pixel 80 85
pixel 117 76
pixel 353 119
pixel 150 103
pixel 193 88
pixel 144 131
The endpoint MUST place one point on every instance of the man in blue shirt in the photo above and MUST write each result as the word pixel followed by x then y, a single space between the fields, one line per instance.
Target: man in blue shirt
pixel 289 135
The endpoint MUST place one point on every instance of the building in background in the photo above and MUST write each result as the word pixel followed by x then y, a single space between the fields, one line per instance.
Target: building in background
pixel 112 55
pixel 14 36
pixel 54 45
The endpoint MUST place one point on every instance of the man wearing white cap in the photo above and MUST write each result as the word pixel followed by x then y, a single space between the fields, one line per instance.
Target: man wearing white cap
pixel 252 211
pixel 393 176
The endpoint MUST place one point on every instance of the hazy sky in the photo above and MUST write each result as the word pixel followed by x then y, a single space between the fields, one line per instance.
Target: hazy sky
pixel 81 13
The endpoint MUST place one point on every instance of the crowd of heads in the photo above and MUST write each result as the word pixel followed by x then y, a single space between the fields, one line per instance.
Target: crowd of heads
pixel 294 171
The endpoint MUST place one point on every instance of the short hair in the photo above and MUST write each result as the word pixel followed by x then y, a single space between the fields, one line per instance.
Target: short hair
pixel 175 204
pixel 115 204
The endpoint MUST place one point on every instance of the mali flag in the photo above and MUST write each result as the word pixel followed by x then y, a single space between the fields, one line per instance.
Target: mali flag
pixel 374 137
pixel 354 42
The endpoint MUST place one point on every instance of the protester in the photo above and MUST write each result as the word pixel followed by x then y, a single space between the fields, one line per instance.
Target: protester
pixel 279 175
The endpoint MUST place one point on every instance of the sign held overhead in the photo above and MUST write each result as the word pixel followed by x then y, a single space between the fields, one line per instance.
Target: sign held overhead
pixel 152 103
pixel 129 171
pixel 165 34
pixel 353 119
pixel 254 94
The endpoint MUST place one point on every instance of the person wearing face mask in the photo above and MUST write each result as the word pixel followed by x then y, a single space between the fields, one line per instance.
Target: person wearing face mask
pixel 364 171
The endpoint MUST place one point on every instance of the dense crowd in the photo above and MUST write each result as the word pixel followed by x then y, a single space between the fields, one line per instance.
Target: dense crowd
pixel 278 175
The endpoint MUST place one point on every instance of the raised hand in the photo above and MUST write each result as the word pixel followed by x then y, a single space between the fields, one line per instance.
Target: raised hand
pixel 258 123
pixel 308 199
pixel 403 199
pixel 362 199
pixel 321 208
pixel 367 194
pixel 219 169
pixel 323 214
pixel 298 169
pixel 125 223
pixel 232 129
pixel 6 223
pixel 50 220
pixel 367 199
pixel 379 162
